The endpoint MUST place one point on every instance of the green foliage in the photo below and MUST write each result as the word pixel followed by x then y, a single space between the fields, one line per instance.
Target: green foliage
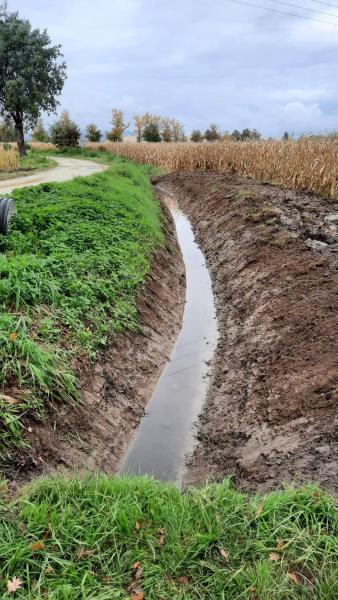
pixel 93 134
pixel 34 161
pixel 151 133
pixel 212 134
pixel 196 136
pixel 7 130
pixel 104 537
pixel 31 74
pixel 65 132
pixel 40 133
pixel 246 135
pixel 69 275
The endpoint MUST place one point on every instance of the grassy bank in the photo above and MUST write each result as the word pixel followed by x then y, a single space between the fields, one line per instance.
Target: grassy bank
pixel 106 538
pixel 35 161
pixel 70 271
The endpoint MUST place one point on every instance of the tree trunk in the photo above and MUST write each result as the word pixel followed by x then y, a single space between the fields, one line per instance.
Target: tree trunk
pixel 20 138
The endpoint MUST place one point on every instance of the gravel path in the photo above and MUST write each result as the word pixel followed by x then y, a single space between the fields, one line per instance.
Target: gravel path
pixel 67 168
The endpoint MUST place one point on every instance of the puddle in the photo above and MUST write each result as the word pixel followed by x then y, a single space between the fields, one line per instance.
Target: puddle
pixel 166 432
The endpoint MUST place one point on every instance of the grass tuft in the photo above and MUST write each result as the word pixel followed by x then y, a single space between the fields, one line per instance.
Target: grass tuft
pixel 107 537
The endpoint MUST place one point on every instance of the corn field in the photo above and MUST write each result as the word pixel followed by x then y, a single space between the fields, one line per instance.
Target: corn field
pixel 42 146
pixel 9 158
pixel 305 164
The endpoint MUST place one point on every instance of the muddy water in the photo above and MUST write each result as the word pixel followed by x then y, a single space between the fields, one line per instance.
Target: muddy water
pixel 166 432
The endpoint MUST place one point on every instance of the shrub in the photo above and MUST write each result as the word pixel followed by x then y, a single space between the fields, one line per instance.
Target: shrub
pixel 65 132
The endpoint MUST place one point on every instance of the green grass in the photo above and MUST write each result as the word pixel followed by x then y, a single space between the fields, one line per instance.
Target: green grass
pixel 35 160
pixel 70 271
pixel 209 543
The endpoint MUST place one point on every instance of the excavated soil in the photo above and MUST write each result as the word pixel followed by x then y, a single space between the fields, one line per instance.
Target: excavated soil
pixel 270 414
pixel 95 434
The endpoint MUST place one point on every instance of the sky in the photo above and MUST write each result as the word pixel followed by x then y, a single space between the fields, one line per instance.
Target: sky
pixel 199 61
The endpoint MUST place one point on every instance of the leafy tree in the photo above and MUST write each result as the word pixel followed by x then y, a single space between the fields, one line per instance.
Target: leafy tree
pixel 286 135
pixel 236 135
pixel 246 134
pixel 7 130
pixel 31 74
pixel 93 134
pixel 118 126
pixel 196 136
pixel 65 132
pixel 255 135
pixel 212 134
pixel 40 133
pixel 151 133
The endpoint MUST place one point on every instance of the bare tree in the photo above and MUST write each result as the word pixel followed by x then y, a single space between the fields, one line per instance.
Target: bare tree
pixel 139 125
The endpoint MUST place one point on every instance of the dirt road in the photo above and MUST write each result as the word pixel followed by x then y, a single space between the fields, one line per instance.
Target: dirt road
pixel 67 168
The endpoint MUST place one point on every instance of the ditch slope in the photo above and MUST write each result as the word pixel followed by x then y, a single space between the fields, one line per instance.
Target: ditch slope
pixel 273 258
pixel 130 349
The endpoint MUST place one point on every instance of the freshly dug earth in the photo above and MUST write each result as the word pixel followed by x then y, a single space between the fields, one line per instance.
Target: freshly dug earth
pixel 95 433
pixel 273 258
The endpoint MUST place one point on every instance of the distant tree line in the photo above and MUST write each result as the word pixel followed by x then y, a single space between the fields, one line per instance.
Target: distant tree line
pixel 213 134
pixel 148 127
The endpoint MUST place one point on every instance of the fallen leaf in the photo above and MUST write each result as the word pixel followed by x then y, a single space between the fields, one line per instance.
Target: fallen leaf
pixel 37 546
pixel 13 336
pixel 295 578
pixel 49 570
pixel 82 553
pixel 184 580
pixel 13 585
pixel 137 525
pixel 136 565
pixel 47 532
pixel 138 596
pixel 280 544
pixel 161 538
pixel 274 556
pixel 9 399
pixel 224 553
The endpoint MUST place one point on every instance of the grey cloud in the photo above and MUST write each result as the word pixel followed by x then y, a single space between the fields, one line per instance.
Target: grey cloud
pixel 198 61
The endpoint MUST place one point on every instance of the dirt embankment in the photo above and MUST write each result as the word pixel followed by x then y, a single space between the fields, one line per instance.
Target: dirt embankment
pixel 273 257
pixel 95 434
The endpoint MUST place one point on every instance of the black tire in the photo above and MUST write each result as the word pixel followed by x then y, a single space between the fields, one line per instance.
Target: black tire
pixel 7 211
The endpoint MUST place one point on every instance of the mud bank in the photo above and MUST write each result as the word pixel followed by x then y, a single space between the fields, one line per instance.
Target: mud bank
pixel 272 255
pixel 95 433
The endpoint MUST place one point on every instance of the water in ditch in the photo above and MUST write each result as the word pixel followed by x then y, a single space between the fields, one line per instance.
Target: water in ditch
pixel 166 432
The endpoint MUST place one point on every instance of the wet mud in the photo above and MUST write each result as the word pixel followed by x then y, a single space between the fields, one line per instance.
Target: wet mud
pixel 270 414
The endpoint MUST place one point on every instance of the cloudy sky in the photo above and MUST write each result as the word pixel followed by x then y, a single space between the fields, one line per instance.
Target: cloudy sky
pixel 197 60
